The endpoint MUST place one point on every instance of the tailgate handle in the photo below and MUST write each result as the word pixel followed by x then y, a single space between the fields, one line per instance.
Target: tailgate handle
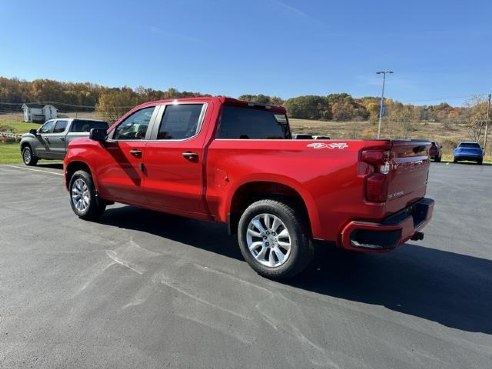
pixel 136 153
pixel 190 155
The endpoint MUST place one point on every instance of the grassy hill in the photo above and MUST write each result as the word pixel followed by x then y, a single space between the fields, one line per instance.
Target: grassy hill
pixel 447 137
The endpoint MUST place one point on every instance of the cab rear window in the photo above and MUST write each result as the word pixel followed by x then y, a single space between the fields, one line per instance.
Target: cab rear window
pixel 252 123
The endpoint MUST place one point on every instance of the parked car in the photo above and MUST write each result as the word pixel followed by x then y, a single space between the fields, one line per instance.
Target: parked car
pixel 302 136
pixel 470 151
pixel 229 161
pixel 50 141
pixel 435 151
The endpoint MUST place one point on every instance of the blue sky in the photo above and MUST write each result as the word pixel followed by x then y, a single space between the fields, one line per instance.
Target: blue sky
pixel 439 50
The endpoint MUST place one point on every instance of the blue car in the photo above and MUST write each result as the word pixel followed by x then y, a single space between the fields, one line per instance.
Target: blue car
pixel 468 151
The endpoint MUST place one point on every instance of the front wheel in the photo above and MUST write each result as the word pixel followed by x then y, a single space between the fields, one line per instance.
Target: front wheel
pixel 83 198
pixel 274 239
pixel 28 156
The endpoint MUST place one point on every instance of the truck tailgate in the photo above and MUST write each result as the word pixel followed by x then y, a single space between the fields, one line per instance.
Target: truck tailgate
pixel 409 169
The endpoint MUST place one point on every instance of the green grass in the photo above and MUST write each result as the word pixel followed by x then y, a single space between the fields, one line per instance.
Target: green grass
pixel 17 127
pixel 10 154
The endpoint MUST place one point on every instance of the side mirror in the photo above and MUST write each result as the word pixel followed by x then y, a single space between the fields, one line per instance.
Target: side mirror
pixel 33 131
pixel 98 134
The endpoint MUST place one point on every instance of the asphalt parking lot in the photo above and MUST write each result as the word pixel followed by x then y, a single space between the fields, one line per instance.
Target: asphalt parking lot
pixel 146 290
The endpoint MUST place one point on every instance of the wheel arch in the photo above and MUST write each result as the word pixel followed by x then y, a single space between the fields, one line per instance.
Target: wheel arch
pixel 250 192
pixel 25 144
pixel 72 168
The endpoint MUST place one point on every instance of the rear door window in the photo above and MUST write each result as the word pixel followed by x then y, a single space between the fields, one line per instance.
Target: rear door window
pixel 180 121
pixel 252 123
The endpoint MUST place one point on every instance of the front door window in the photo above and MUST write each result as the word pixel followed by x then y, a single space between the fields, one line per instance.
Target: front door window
pixel 47 127
pixel 135 126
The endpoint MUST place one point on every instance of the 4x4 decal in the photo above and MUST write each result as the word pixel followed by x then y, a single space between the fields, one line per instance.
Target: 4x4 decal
pixel 331 146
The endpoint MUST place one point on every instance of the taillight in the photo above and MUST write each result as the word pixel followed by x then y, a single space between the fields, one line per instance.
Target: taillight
pixel 376 180
pixel 376 187
pixel 378 159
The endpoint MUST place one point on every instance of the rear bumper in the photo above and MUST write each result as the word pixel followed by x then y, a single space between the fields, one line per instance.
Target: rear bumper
pixel 391 232
pixel 469 157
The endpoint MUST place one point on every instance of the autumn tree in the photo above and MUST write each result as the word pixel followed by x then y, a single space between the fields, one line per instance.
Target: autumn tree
pixel 115 102
pixel 403 116
pixel 372 106
pixel 46 90
pixel 262 99
pixel 476 117
pixel 308 107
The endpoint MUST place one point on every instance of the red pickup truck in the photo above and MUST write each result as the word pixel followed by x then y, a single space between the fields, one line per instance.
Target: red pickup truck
pixel 224 160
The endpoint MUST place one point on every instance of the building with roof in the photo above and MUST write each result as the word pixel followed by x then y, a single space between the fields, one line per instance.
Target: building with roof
pixel 38 112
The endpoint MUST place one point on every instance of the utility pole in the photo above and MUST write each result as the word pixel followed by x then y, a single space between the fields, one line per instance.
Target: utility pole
pixel 486 128
pixel 383 72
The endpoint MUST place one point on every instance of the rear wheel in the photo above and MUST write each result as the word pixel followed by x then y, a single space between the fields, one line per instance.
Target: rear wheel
pixel 438 159
pixel 83 198
pixel 28 156
pixel 479 162
pixel 274 239
pixel 455 160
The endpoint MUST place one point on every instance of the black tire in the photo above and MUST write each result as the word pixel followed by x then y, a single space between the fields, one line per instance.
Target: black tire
pixel 28 156
pixel 455 161
pixel 285 219
pixel 83 197
pixel 438 159
pixel 479 162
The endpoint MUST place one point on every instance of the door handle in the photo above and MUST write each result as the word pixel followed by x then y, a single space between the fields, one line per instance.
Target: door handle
pixel 190 155
pixel 136 153
pixel 62 138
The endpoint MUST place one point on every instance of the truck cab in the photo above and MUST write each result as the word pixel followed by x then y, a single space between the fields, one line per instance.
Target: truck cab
pixel 50 141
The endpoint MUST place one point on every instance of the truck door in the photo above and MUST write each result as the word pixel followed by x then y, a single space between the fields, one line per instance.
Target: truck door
pixel 57 140
pixel 174 160
pixel 120 171
pixel 42 141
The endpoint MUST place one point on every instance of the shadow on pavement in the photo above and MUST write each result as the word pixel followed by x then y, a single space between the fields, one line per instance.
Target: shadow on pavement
pixel 207 236
pixel 452 289
pixel 51 165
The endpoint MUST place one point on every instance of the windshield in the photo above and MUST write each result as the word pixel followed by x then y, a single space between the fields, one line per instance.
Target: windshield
pixel 470 144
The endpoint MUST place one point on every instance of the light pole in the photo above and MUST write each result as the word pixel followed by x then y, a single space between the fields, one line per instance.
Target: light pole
pixel 487 127
pixel 383 72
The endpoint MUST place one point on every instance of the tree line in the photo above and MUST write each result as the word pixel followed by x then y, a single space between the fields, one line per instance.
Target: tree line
pixel 113 102
pixel 69 96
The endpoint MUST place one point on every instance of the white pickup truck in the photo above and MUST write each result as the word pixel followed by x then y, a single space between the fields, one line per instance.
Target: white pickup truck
pixel 50 141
